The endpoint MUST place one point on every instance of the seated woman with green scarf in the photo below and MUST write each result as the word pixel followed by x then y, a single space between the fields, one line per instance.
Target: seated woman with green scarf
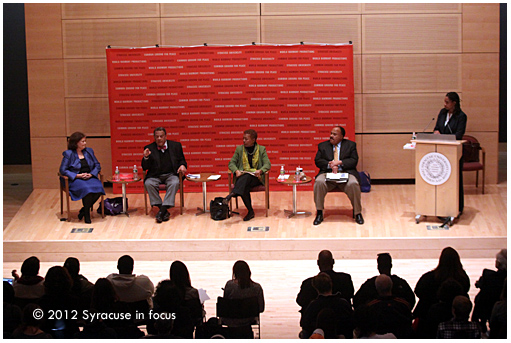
pixel 249 162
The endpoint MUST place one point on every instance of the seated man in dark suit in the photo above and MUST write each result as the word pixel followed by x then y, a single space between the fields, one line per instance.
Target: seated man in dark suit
pixel 163 160
pixel 341 282
pixel 337 155
pixel 400 288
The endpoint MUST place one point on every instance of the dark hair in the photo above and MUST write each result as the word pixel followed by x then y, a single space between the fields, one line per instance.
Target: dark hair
pixel 241 272
pixel 125 264
pixel 453 96
pixel 72 143
pixel 103 295
pixel 30 267
pixel 28 318
pixel 384 261
pixel 448 290
pixel 159 128
pixel 73 266
pixel 449 265
pixel 462 307
pixel 343 132
pixel 325 260
pixel 167 296
pixel 252 133
pixel 322 283
pixel 57 281
pixel 179 274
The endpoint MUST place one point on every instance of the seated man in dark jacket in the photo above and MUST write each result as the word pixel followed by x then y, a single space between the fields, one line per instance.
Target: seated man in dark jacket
pixel 343 321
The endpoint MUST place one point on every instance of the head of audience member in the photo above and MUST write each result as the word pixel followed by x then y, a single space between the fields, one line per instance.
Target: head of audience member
pixel 461 307
pixel 501 260
pixel 449 265
pixel 448 290
pixel 337 134
pixel 160 136
pixel 125 264
pixel 180 275
pixel 8 293
pixel 322 283
pixel 325 261
pixel 28 320
pixel 73 266
pixel 383 285
pixel 30 267
pixel 164 324
pixel 452 103
pixel 57 281
pixel 241 274
pixel 103 295
pixel 249 138
pixel 327 321
pixel 167 296
pixel 384 263
pixel 76 141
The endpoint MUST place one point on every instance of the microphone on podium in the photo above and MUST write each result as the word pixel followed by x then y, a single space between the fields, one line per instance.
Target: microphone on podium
pixel 432 119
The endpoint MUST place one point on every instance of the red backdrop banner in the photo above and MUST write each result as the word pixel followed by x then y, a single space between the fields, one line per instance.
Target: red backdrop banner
pixel 207 96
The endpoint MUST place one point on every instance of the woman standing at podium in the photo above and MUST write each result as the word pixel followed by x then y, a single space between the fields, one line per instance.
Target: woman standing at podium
pixel 453 121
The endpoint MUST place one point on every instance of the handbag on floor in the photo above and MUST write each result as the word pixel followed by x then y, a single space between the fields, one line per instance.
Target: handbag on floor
pixel 218 210
pixel 113 206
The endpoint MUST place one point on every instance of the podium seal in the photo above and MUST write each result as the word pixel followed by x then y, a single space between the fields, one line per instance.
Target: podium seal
pixel 435 168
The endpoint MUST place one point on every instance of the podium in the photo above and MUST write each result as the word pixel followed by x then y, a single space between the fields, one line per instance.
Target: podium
pixel 437 177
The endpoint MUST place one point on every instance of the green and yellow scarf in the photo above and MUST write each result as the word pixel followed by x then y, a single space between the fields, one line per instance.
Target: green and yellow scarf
pixel 255 159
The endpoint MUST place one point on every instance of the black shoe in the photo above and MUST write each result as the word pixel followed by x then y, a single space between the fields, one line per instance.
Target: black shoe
pixel 319 218
pixel 80 214
pixel 159 217
pixel 359 219
pixel 86 214
pixel 166 216
pixel 249 216
pixel 227 199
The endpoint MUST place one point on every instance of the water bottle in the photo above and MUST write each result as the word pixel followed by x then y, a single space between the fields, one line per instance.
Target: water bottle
pixel 414 136
pixel 117 177
pixel 135 172
pixel 282 172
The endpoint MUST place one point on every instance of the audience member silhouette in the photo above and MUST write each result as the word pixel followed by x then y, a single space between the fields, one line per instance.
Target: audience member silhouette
pixel 58 299
pixel 366 324
pixel 449 266
pixel 442 310
pixel 241 287
pixel 459 327
pixel 341 282
pixel 498 319
pixel 12 313
pixel 95 329
pixel 135 290
pixel 164 327
pixel 392 314
pixel 181 277
pixel 322 283
pixel 490 285
pixel 82 287
pixel 30 286
pixel 31 326
pixel 106 302
pixel 400 288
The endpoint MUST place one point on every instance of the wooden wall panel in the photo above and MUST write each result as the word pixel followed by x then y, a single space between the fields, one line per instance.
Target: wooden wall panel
pixel 46 159
pixel 102 150
pixel 401 112
pixel 417 33
pixel 490 142
pixel 102 10
pixel 359 121
pixel 312 29
pixel 359 139
pixel 411 73
pixel 89 38
pixel 309 8
pixel 357 73
pixel 85 78
pixel 481 89
pixel 88 115
pixel 383 7
pixel 46 98
pixel 481 27
pixel 209 9
pixel 380 153
pixel 43 31
pixel 211 30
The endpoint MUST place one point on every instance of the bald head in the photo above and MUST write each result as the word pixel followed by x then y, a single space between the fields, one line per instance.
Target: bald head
pixel 383 285
pixel 325 260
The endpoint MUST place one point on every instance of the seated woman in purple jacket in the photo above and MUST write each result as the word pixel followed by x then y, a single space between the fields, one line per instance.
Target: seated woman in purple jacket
pixel 81 167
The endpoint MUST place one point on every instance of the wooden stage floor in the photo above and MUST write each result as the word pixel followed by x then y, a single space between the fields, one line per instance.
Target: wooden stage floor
pixel 388 211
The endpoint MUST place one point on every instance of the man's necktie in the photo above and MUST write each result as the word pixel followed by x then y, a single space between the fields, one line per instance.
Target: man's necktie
pixel 336 154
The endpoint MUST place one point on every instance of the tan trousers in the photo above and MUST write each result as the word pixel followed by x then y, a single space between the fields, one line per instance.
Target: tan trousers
pixel 351 188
